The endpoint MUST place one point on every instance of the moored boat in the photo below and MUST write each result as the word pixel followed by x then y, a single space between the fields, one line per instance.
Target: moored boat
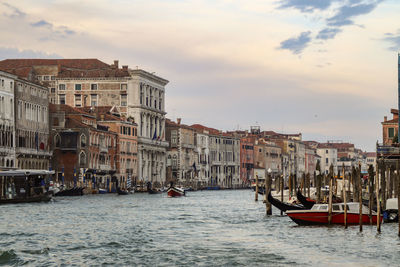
pixel 284 206
pixel 307 202
pixel 318 214
pixel 24 186
pixel 390 214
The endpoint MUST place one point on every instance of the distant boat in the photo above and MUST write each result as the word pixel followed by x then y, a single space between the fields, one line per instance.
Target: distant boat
pixel 76 191
pixel 175 192
pixel 151 190
pixel 318 214
pixel 102 191
pixel 122 192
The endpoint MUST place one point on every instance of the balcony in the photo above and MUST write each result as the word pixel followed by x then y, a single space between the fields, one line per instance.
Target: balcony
pixel 104 167
pixel 148 141
pixel 103 149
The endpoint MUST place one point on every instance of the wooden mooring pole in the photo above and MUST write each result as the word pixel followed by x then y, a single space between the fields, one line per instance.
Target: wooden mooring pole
pixel 330 194
pixel 256 196
pixel 370 191
pixel 360 196
pixel 378 202
pixel 398 193
pixel 267 189
pixel 344 199
pixel 282 183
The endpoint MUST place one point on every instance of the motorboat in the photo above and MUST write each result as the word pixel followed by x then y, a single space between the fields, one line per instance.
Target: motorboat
pixel 175 192
pixel 318 214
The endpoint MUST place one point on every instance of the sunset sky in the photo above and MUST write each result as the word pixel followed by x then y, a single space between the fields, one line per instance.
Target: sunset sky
pixel 325 68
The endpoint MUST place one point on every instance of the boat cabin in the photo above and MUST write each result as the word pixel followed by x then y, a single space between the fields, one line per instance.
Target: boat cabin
pixel 352 207
pixel 19 185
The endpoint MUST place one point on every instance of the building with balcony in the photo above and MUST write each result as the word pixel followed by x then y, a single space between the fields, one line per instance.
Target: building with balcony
pixel 7 120
pixel 127 145
pixel 182 156
pixel 31 125
pixel 84 150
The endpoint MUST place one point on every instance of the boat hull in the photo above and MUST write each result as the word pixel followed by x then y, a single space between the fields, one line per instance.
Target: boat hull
pixel 43 198
pixel 321 218
pixel 175 192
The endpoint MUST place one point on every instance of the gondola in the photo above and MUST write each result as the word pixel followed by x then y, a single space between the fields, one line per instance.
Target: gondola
pixel 152 191
pixel 307 203
pixel 75 191
pixel 284 206
pixel 121 192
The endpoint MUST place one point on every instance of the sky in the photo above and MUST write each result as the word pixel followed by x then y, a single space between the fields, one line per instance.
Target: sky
pixel 323 68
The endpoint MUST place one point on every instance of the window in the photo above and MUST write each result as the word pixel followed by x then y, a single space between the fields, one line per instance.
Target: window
pixel 83 140
pixel 93 86
pixel 391 132
pixel 61 99
pixel 78 87
pixel 93 100
pixel 53 90
pixel 82 159
pixel 123 100
pixel 53 78
pixel 78 100
pixel 326 151
pixel 46 78
pixel 327 160
pixel 123 86
pixel 61 86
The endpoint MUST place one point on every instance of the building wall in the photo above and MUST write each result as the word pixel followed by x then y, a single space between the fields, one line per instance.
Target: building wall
pixel 7 125
pixel 32 125
pixel 146 104
pixel 328 157
pixel 203 157
pixel 93 92
pixel 246 159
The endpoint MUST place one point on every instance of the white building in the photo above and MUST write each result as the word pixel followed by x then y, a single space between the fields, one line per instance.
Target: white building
pixel 328 156
pixel 146 104
pixel 203 152
pixel 7 119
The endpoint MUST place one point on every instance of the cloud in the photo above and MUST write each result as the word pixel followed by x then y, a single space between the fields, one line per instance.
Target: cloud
pixel 306 5
pixel 13 12
pixel 345 13
pixel 328 33
pixel 42 23
pixel 297 44
pixel 8 52
pixel 393 39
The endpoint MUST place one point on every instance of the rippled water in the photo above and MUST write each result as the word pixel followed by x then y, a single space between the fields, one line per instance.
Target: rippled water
pixel 209 228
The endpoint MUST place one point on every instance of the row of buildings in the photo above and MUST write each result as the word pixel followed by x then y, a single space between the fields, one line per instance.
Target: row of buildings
pixel 92 121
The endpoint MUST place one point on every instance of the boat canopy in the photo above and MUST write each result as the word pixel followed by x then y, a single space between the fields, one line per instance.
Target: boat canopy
pixel 391 204
pixel 24 173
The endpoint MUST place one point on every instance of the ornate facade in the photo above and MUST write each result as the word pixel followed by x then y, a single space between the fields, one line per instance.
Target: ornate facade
pixel 146 98
pixel 7 125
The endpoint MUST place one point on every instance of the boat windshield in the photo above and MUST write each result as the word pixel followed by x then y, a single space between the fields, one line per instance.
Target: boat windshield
pixel 336 207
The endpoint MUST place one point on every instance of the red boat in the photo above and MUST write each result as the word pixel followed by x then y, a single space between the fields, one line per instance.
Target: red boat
pixel 175 192
pixel 318 214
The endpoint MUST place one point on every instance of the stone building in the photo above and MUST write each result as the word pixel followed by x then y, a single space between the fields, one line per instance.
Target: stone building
pixel 224 160
pixel 90 82
pixel 328 156
pixel 126 153
pixel 182 156
pixel 203 156
pixel 247 158
pixel 390 127
pixel 84 151
pixel 7 120
pixel 31 125
pixel 146 104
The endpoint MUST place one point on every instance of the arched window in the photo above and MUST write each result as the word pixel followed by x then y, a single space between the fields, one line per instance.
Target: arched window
pixel 82 159
pixel 57 140
pixel 83 140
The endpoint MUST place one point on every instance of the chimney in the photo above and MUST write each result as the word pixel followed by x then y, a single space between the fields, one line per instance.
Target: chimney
pixel 178 120
pixel 125 67
pixel 116 64
pixel 385 118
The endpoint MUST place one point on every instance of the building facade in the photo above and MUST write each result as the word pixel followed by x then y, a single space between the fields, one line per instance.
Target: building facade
pixel 146 104
pixel 7 120
pixel 31 125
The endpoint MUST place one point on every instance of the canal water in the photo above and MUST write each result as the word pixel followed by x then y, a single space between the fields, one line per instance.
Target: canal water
pixel 206 228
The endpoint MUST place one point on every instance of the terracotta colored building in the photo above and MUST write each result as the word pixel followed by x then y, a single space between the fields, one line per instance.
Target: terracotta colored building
pixel 247 158
pixel 127 145
pixel 390 127
pixel 84 151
